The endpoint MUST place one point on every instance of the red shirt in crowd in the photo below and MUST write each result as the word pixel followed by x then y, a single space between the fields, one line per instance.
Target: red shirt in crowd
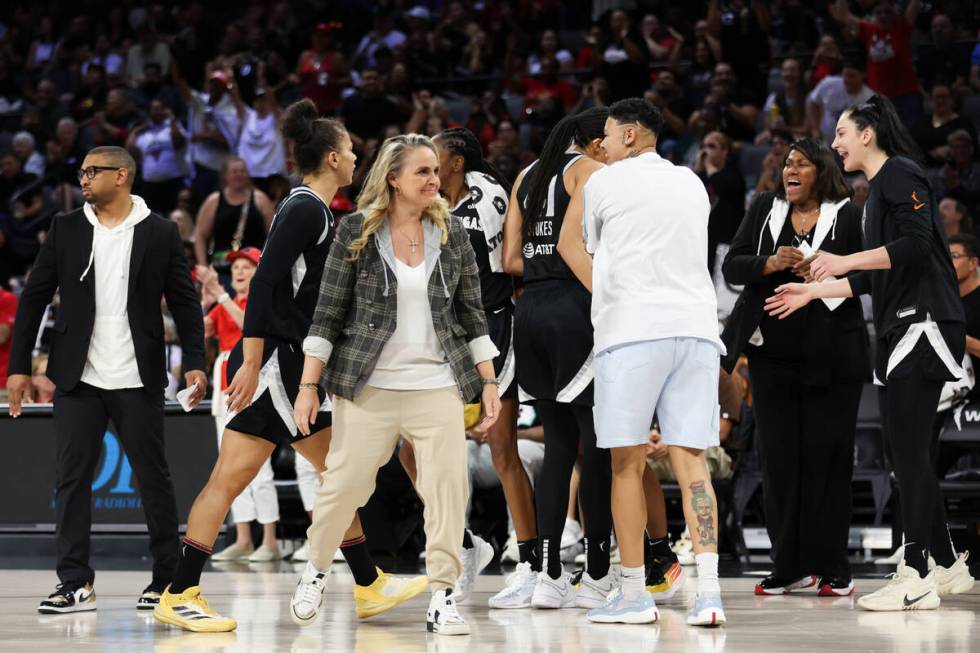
pixel 228 333
pixel 8 309
pixel 890 70
pixel 561 90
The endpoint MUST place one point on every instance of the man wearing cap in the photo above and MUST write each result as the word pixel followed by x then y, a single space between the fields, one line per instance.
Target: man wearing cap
pixel 960 177
pixel 214 127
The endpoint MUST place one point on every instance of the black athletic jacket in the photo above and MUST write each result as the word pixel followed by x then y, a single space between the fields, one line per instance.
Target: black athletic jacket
pixel 901 215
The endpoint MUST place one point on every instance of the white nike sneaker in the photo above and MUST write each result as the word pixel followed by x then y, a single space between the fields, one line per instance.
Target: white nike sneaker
pixel 955 579
pixel 518 591
pixel 69 598
pixel 553 593
pixel 474 561
pixel 905 591
pixel 304 607
pixel 442 617
pixel 594 593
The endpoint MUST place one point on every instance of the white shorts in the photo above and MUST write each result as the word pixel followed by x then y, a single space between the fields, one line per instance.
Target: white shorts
pixel 676 378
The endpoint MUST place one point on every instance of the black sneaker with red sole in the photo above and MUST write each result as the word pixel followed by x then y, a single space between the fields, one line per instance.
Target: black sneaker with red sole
pixel 835 586
pixel 774 586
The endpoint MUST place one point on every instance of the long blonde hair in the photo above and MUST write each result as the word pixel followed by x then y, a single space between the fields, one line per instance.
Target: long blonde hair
pixel 376 195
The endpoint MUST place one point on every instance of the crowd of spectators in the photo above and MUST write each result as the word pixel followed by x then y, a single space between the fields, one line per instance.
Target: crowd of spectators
pixel 194 90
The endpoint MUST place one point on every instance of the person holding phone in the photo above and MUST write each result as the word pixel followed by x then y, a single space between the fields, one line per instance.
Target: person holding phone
pixel 919 322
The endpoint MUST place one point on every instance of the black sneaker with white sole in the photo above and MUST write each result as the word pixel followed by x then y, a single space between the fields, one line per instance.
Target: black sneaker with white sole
pixel 69 598
pixel 150 598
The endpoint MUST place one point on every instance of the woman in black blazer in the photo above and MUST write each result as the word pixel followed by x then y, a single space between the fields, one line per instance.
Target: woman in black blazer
pixel 806 371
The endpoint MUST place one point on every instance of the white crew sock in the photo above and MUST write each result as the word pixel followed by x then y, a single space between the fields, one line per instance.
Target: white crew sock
pixel 707 573
pixel 633 581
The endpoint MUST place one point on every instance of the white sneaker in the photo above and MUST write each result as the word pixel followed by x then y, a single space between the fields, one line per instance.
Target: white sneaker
pixel 684 550
pixel 265 554
pixel 594 593
pixel 955 579
pixel 69 598
pixel 571 534
pixel 442 617
pixel 474 561
pixel 518 591
pixel 511 553
pixel 905 591
pixel 304 607
pixel 234 552
pixel 302 554
pixel 551 593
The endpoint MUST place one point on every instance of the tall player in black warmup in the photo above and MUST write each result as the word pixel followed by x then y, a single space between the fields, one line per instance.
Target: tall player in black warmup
pixel 919 321
pixel 553 344
pixel 266 367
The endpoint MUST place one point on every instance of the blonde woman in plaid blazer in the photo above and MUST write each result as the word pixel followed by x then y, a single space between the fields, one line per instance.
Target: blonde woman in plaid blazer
pixel 400 339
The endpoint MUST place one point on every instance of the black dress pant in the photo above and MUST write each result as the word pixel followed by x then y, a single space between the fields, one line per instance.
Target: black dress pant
pixel 80 420
pixel 806 445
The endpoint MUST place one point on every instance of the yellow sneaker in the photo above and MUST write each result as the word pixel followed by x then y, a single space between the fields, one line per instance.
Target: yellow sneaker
pixel 385 593
pixel 190 611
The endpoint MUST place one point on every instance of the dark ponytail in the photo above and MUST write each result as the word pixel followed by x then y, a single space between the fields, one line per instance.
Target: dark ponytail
pixel 579 129
pixel 891 135
pixel 460 141
pixel 311 136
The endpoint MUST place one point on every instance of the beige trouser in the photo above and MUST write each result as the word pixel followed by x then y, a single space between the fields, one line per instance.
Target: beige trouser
pixel 365 432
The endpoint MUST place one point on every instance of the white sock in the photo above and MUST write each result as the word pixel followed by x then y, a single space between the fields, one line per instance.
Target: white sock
pixel 633 581
pixel 707 573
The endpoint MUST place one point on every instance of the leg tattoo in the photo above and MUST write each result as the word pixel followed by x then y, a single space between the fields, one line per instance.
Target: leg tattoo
pixel 703 506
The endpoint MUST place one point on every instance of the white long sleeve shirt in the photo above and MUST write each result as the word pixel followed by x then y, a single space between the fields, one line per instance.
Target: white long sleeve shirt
pixel 111 361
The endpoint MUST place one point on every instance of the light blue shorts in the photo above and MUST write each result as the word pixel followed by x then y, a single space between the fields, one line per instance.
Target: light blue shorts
pixel 676 378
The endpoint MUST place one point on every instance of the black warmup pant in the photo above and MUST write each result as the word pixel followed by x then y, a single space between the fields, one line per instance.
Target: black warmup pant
pixel 806 445
pixel 80 420
pixel 908 416
pixel 563 425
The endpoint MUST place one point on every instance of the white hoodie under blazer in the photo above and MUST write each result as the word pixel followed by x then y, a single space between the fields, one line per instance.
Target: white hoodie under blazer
pixel 111 361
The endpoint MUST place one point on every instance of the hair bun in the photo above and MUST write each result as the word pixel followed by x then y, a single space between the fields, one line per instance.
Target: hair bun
pixel 298 119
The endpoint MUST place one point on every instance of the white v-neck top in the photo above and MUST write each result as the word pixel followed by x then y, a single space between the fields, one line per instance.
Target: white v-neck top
pixel 413 358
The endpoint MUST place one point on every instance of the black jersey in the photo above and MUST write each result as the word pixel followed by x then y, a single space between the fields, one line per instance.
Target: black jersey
pixel 497 288
pixel 900 214
pixel 541 258
pixel 285 289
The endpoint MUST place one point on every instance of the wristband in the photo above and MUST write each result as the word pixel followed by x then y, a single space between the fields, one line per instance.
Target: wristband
pixel 487 382
pixel 308 386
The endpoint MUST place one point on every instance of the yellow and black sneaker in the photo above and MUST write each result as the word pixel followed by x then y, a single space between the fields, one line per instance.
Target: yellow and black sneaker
pixel 664 578
pixel 385 593
pixel 69 597
pixel 189 610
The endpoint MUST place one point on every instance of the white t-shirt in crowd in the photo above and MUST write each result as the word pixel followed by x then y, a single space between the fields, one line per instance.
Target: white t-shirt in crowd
pixel 646 223
pixel 832 97
pixel 160 161
pixel 413 358
pixel 224 116
pixel 261 146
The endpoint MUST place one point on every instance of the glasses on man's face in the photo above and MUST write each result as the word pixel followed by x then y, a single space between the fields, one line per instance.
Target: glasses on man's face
pixel 91 171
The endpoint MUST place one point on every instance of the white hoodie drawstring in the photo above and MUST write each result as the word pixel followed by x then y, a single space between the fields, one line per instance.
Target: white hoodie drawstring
pixel 445 288
pixel 758 251
pixel 91 257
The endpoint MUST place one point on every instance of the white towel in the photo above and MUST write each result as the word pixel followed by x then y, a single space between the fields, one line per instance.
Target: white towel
pixel 490 200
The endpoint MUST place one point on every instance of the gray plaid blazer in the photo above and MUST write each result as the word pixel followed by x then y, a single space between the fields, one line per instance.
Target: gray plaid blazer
pixel 356 312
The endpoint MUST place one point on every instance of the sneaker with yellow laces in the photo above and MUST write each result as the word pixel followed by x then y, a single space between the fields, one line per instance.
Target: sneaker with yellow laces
pixel 190 611
pixel 385 593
